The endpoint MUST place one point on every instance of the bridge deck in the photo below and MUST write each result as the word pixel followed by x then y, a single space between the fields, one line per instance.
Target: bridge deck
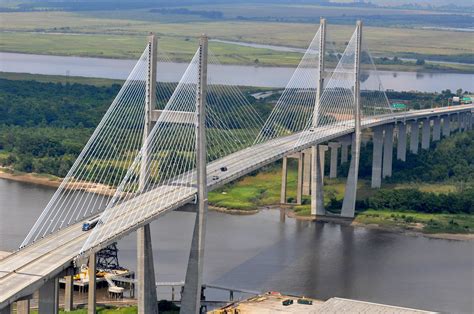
pixel 26 270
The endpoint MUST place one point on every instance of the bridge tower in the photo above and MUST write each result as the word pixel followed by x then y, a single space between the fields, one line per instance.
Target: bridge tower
pixel 317 163
pixel 147 299
pixel 191 299
pixel 350 193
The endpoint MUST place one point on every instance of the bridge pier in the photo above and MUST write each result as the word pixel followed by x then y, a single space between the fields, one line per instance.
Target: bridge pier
pixel 284 179
pixel 436 129
pixel 306 172
pixel 48 297
pixel 387 151
pixel 402 142
pixel 377 157
pixel 446 126
pixel 91 292
pixel 414 136
pixel 299 182
pixel 147 299
pixel 68 293
pixel 317 194
pixel 425 134
pixel 7 310
pixel 344 152
pixel 334 154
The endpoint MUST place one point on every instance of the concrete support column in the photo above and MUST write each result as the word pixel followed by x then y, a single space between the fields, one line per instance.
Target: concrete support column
pixel 402 142
pixel 284 179
pixel 306 172
pixel 299 182
pixel 387 151
pixel 146 284
pixel 68 293
pixel 193 289
pixel 446 126
pixel 436 129
pixel 414 136
pixel 333 165
pixel 322 157
pixel 48 297
pixel 91 293
pixel 317 194
pixel 377 157
pixel 23 307
pixel 6 310
pixel 350 193
pixel 344 153
pixel 425 135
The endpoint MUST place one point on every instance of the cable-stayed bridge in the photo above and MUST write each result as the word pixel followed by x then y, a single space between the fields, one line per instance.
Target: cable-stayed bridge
pixel 162 147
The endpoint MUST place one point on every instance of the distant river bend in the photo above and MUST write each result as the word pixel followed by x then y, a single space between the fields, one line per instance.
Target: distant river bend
pixel 275 77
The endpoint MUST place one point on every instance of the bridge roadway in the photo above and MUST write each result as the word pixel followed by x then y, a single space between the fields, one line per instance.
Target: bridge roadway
pixel 24 271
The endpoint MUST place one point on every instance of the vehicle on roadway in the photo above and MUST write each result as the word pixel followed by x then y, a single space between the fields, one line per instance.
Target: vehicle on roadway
pixel 90 223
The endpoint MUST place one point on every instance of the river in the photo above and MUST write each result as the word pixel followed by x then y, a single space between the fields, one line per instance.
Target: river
pixel 275 77
pixel 260 252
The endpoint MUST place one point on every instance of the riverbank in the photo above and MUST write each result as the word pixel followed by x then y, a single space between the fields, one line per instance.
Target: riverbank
pixel 52 181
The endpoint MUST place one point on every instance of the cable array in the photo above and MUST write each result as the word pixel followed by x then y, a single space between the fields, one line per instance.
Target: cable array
pixel 336 105
pixel 296 104
pixel 105 159
pixel 231 125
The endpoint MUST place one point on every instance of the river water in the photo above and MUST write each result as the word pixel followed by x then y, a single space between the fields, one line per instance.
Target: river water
pixel 228 74
pixel 261 252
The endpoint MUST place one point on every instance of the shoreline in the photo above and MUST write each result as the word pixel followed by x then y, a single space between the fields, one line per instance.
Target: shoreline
pixel 36 179
pixel 54 182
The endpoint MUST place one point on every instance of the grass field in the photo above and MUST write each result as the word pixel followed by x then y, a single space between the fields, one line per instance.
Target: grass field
pixel 429 223
pixel 263 189
pixel 66 33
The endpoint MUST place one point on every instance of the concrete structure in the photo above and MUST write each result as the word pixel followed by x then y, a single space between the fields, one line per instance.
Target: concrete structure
pixel 436 129
pixel 306 172
pixel 147 300
pixel 377 157
pixel 402 141
pixel 387 151
pixel 68 293
pixel 334 154
pixel 414 136
pixel 48 297
pixel 350 193
pixel 425 134
pixel 92 293
pixel 317 196
pixel 272 302
pixel 191 300
pixel 48 257
pixel 446 126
